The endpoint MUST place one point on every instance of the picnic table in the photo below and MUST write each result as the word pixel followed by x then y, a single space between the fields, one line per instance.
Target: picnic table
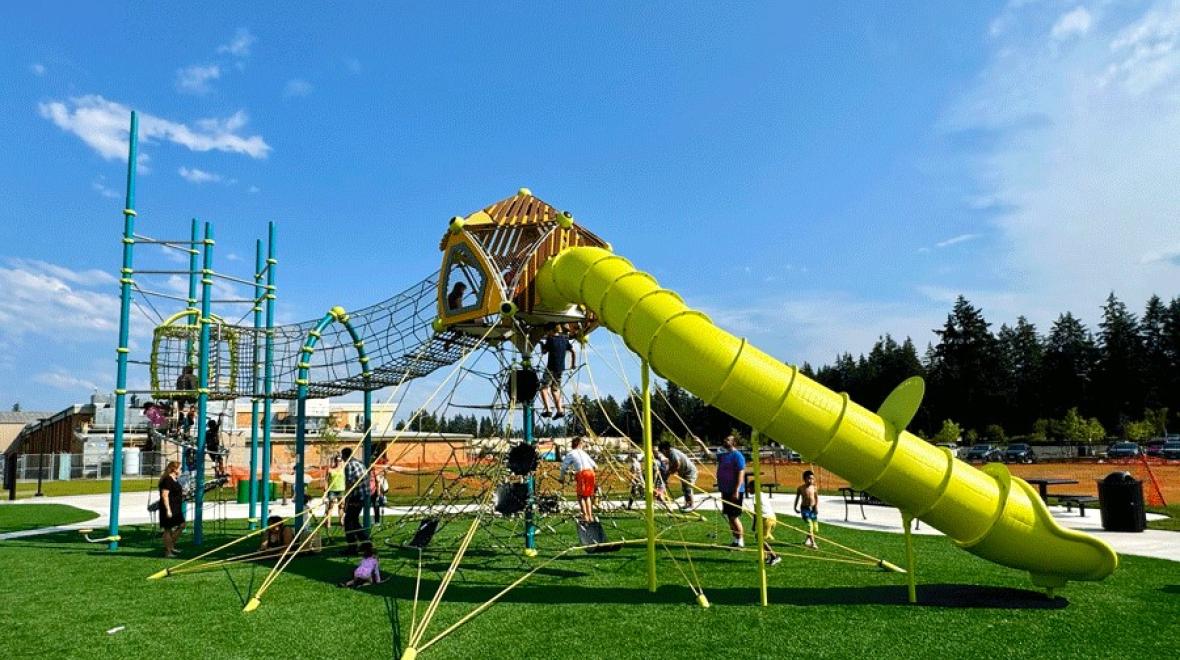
pixel 1043 483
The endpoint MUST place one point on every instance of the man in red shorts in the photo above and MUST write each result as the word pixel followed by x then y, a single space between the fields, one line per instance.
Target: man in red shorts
pixel 579 462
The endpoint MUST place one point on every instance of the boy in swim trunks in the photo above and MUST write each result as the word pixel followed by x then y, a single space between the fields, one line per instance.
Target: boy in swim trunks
pixel 807 506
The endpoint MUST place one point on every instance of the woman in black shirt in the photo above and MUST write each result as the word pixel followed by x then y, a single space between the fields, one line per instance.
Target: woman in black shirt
pixel 171 516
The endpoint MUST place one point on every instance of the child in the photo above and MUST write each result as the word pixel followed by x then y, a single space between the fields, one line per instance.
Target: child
pixel 636 467
pixel 807 506
pixel 367 572
pixel 768 523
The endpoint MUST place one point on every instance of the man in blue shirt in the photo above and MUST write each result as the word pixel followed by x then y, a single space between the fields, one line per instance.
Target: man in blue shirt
pixel 556 346
pixel 731 481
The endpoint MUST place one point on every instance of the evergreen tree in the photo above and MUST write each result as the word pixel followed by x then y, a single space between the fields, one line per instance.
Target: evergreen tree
pixel 1119 385
pixel 1023 359
pixel 1157 366
pixel 967 374
pixel 1069 363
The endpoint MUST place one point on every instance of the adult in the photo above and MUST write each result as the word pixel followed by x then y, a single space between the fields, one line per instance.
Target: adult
pixel 681 465
pixel 278 534
pixel 171 512
pixel 731 478
pixel 556 346
pixel 579 462
pixel 356 487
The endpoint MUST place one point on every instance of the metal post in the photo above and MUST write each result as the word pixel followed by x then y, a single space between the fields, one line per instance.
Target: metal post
pixel 530 511
pixel 300 448
pixel 759 522
pixel 40 472
pixel 125 283
pixel 368 451
pixel 255 384
pixel 203 384
pixel 268 370
pixel 648 478
pixel 911 579
pixel 194 279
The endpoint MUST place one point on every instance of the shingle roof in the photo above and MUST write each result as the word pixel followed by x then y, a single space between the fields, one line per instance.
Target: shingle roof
pixel 23 417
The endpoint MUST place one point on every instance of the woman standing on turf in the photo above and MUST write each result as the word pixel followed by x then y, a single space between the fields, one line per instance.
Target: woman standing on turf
pixel 171 516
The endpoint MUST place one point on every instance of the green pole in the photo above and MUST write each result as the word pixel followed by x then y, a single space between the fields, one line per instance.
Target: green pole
pixel 368 451
pixel 313 338
pixel 255 383
pixel 759 523
pixel 342 317
pixel 649 483
pixel 203 385
pixel 125 283
pixel 268 370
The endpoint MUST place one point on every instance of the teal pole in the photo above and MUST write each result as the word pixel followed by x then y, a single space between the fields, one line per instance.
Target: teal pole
pixel 203 386
pixel 313 338
pixel 368 440
pixel 268 369
pixel 530 511
pixel 255 383
pixel 194 266
pixel 125 283
pixel 342 317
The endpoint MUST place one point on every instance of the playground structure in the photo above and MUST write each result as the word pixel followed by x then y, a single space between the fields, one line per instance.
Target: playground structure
pixel 522 265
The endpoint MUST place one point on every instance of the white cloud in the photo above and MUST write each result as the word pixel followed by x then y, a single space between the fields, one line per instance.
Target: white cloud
pixel 1080 145
pixel 1171 256
pixel 195 79
pixel 198 176
pixel 240 45
pixel 47 300
pixel 99 185
pixel 353 65
pixel 63 380
pixel 961 238
pixel 103 125
pixel 253 189
pixel 1074 23
pixel 297 87
pixel 37 69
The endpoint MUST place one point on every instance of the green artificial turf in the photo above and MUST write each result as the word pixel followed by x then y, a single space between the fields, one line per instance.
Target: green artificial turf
pixel 19 517
pixel 1171 523
pixel 582 606
pixel 25 489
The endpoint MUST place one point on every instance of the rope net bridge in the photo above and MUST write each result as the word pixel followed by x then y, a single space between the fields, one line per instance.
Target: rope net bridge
pixel 397 334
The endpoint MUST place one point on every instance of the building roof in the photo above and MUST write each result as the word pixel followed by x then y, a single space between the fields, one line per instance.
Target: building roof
pixel 23 416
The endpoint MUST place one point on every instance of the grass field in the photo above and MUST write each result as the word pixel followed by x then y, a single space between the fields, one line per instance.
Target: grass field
pixel 33 516
pixel 581 606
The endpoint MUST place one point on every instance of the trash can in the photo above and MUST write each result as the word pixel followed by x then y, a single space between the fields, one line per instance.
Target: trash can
pixel 243 491
pixel 1120 497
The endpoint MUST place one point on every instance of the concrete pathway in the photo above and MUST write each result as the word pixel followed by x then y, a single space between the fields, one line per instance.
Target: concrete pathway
pixel 133 511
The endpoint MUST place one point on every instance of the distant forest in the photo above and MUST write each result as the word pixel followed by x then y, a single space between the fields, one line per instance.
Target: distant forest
pixel 1072 384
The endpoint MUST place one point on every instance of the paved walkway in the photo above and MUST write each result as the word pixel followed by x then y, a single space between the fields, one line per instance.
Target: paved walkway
pixel 133 511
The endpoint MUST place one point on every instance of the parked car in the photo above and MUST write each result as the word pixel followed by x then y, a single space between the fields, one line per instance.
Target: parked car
pixel 1124 450
pixel 1154 446
pixel 952 447
pixel 1019 453
pixel 984 454
pixel 1171 450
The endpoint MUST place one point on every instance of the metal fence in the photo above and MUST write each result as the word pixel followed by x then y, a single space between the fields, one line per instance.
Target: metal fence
pixel 62 467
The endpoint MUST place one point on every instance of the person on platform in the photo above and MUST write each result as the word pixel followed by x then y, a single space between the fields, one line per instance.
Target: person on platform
pixel 556 346
pixel 579 462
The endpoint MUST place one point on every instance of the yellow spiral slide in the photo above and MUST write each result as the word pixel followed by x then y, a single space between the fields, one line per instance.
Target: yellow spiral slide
pixel 986 512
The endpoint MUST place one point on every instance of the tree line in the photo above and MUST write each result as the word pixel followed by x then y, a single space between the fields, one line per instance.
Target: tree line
pixel 1017 383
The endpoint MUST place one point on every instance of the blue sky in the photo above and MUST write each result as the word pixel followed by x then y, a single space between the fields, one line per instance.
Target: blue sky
pixel 812 176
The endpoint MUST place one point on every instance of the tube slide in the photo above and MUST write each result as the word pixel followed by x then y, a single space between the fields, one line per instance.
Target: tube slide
pixel 987 512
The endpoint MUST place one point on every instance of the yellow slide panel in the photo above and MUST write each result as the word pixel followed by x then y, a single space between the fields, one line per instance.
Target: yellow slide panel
pixel 987 512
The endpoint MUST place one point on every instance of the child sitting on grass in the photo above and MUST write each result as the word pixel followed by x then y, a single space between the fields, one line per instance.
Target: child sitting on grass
pixel 367 571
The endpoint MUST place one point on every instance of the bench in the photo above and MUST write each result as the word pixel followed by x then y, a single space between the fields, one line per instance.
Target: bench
pixel 862 499
pixel 1070 501
pixel 769 488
